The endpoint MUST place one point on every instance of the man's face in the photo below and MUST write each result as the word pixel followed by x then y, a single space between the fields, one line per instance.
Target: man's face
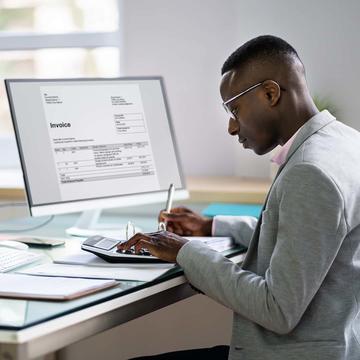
pixel 255 124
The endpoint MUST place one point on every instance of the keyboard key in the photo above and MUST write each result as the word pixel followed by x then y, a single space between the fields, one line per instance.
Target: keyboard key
pixel 11 258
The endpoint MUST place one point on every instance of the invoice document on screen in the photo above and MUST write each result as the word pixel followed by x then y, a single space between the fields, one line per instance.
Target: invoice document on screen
pixel 99 133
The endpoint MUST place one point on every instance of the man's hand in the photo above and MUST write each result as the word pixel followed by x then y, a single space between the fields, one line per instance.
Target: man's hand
pixel 162 244
pixel 185 222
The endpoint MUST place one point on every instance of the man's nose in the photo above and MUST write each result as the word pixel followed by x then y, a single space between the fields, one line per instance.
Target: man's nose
pixel 233 128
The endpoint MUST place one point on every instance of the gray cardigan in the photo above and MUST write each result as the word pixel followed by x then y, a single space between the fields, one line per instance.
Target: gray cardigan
pixel 296 296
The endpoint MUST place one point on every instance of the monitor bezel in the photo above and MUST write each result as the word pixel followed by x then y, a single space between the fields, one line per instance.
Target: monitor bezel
pixel 103 201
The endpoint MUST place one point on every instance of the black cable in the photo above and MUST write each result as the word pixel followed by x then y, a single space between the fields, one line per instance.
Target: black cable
pixel 47 221
pixel 30 228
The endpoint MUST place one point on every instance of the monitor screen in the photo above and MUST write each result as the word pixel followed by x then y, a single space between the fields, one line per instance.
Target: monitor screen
pixel 94 143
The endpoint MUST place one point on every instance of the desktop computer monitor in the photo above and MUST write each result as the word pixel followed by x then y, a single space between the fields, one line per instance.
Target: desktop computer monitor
pixel 94 143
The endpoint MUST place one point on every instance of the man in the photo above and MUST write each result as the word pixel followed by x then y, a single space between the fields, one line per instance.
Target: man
pixel 297 294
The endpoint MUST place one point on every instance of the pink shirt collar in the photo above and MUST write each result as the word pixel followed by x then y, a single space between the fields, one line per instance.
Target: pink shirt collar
pixel 280 157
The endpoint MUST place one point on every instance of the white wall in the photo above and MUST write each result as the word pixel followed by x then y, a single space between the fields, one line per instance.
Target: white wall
pixel 326 36
pixel 187 41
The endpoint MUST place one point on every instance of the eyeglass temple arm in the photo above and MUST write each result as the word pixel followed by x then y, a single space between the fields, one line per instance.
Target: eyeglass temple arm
pixel 242 93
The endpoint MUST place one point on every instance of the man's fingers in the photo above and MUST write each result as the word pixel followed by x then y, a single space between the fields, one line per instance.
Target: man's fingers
pixel 144 244
pixel 170 227
pixel 175 217
pixel 178 210
pixel 177 229
pixel 135 239
pixel 181 209
pixel 173 227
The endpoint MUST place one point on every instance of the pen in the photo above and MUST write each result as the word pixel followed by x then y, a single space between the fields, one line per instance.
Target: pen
pixel 170 198
pixel 170 195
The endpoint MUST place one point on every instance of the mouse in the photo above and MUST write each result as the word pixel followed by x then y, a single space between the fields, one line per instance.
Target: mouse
pixel 13 244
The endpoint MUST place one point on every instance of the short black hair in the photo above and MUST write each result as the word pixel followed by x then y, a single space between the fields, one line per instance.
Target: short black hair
pixel 265 47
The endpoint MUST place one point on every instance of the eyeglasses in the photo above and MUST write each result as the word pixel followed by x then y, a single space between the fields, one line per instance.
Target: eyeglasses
pixel 231 113
pixel 225 103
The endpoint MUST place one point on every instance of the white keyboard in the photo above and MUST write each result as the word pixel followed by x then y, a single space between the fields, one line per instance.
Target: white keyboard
pixel 13 258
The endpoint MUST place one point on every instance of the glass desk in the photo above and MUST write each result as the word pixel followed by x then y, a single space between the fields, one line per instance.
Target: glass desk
pixel 17 314
pixel 29 328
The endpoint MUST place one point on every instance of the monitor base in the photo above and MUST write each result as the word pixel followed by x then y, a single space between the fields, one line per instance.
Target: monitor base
pixel 87 225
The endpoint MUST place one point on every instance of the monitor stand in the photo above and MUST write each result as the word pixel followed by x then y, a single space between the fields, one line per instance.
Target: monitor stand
pixel 87 225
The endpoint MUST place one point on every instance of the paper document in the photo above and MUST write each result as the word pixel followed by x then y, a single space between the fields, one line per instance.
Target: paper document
pixel 218 243
pixel 91 272
pixel 41 287
pixel 88 259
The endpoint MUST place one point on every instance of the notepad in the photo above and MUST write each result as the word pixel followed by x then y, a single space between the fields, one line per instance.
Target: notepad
pixel 218 243
pixel 50 288
pixel 93 272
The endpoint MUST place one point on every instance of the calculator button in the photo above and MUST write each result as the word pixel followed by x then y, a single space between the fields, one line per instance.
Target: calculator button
pixel 144 252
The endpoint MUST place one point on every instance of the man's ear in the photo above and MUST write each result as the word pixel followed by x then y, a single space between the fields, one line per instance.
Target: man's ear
pixel 272 91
